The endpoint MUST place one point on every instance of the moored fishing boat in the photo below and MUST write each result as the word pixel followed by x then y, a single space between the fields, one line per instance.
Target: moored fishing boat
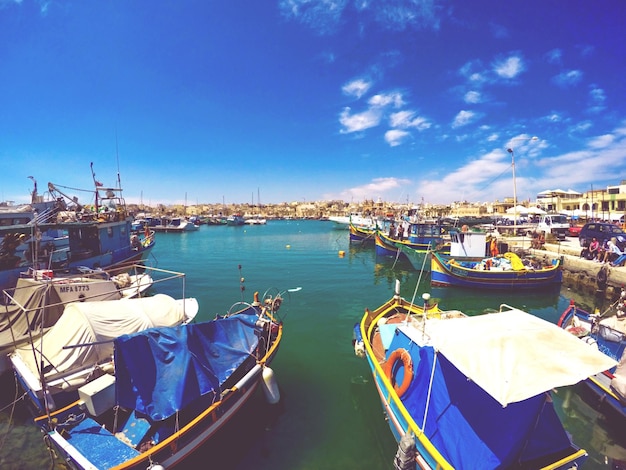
pixel 607 332
pixel 354 218
pixel 256 220
pixel 39 298
pixel 91 284
pixel 176 225
pixel 473 392
pixel 72 235
pixel 414 242
pixel 50 366
pixel 172 390
pixel 361 235
pixel 470 265
pixel 235 220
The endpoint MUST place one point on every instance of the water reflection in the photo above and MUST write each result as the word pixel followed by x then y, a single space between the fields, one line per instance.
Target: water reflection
pixel 603 438
pixel 388 270
pixel 476 301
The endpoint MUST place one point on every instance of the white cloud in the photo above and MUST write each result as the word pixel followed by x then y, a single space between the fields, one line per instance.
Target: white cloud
pixel 385 188
pixel 597 99
pixel 324 16
pixel 484 178
pixel 400 14
pixel 568 78
pixel 406 119
pixel 601 141
pixel 360 121
pixel 581 127
pixel 321 15
pixel 464 118
pixel 553 117
pixel 472 97
pixel 395 137
pixel 387 99
pixel 356 87
pixel 488 177
pixel 510 67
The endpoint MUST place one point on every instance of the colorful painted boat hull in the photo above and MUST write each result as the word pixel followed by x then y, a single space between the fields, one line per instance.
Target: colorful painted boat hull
pixel 455 419
pixel 445 271
pixel 361 235
pixel 417 253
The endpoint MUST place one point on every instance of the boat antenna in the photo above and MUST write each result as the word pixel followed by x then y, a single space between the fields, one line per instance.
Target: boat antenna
pixel 117 157
pixel 33 197
pixel 97 184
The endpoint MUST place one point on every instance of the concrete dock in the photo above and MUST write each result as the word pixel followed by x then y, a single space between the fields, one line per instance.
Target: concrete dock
pixel 577 272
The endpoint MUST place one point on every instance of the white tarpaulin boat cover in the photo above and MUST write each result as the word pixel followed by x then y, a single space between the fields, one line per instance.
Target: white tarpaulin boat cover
pixel 33 307
pixel 514 355
pixel 94 326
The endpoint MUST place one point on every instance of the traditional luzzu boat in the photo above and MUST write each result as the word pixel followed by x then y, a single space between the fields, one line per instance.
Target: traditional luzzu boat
pixel 465 392
pixel 172 390
pixel 70 235
pixel 362 235
pixel 422 239
pixel 607 332
pixel 469 265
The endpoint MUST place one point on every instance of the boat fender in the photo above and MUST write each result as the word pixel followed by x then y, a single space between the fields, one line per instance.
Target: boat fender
pixel 357 341
pixel 156 467
pixel 359 349
pixel 270 386
pixel 399 355
pixel 406 453
pixel 49 401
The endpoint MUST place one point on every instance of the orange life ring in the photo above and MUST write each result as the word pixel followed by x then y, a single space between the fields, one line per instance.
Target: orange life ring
pixel 404 356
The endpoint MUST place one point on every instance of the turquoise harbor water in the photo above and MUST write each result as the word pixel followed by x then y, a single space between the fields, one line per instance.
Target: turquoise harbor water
pixel 329 416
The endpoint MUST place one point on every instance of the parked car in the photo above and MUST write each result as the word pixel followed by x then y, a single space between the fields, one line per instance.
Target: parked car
pixel 556 224
pixel 603 231
pixel 574 230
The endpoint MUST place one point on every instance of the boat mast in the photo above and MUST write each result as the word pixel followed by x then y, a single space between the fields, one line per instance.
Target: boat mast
pixel 96 184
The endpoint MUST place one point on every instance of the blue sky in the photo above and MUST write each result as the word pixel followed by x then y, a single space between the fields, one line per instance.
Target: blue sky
pixel 302 100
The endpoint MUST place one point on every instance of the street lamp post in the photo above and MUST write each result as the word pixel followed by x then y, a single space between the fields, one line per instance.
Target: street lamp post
pixel 512 152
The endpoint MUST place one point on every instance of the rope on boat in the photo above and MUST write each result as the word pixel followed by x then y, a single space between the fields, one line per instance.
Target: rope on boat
pixel 430 388
pixel 51 452
pixel 419 279
pixel 397 256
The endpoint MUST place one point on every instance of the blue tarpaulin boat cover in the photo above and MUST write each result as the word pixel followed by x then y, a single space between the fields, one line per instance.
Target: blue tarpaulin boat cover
pixel 161 370
pixel 474 431
pixel 467 425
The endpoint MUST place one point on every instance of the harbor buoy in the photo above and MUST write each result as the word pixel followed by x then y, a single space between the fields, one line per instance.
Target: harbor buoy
pixel 287 246
pixel 342 253
pixel 270 387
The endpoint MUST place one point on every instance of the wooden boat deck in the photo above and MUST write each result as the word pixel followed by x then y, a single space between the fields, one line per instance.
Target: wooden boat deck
pixel 377 343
